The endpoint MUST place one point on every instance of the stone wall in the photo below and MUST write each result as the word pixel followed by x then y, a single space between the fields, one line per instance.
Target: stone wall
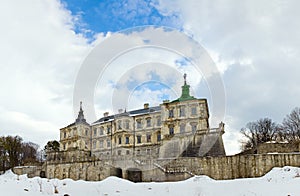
pixel 277 148
pixel 232 167
pixel 31 171
pixel 220 168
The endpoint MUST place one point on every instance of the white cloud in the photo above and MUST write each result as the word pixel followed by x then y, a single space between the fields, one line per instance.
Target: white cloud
pixel 255 44
pixel 40 54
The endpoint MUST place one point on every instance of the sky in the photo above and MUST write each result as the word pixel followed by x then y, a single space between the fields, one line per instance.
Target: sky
pixel 254 45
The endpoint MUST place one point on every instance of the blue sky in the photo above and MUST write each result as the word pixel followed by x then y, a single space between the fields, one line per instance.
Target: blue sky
pixel 110 16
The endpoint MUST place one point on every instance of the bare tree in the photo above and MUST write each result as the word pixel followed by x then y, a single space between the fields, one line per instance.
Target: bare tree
pixel 291 126
pixel 29 152
pixel 258 132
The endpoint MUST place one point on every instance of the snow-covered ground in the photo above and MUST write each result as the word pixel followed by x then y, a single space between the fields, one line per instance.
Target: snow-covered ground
pixel 280 181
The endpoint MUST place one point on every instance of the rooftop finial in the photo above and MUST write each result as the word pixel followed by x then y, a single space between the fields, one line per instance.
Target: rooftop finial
pixel 80 117
pixel 184 77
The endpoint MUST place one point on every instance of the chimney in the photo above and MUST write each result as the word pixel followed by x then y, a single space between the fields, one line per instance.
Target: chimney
pixel 120 111
pixel 105 114
pixel 146 105
pixel 166 101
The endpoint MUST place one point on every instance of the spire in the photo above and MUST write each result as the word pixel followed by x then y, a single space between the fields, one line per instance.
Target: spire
pixel 185 93
pixel 80 117
pixel 184 77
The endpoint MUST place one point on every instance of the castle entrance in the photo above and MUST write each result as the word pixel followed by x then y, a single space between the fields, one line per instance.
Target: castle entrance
pixel 134 174
pixel 116 171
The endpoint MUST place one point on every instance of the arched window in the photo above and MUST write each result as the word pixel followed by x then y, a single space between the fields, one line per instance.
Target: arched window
pixel 138 139
pixel 101 130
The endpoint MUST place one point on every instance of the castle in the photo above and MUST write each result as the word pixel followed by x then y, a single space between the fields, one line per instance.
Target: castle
pixel 178 128
pixel 169 142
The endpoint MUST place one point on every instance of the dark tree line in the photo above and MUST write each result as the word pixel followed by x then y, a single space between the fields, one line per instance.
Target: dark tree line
pixel 265 130
pixel 15 152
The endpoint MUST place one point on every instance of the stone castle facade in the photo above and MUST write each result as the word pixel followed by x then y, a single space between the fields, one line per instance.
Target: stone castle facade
pixel 169 142
pixel 178 128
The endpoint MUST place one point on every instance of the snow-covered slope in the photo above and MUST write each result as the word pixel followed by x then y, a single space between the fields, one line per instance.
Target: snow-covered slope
pixel 279 181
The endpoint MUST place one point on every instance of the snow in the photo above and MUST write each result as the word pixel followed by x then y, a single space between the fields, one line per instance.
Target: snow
pixel 279 181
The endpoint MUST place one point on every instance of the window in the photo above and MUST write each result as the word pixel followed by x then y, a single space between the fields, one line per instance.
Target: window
pixel 182 128
pixel 202 113
pixel 86 132
pixel 182 111
pixel 119 124
pixel 65 134
pixel 148 122
pixel 119 152
pixel 193 111
pixel 127 152
pixel 108 129
pixel 139 124
pixel 171 113
pixel 101 130
pixel 94 144
pixel 148 137
pixel 139 139
pixel 108 143
pixel 64 146
pixel 194 127
pixel 127 124
pixel 138 152
pixel 148 151
pixel 101 144
pixel 171 130
pixel 120 140
pixel 158 121
pixel 158 137
pixel 127 140
pixel 95 131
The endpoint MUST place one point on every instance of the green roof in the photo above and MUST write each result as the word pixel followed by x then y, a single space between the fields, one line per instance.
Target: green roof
pixel 185 93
